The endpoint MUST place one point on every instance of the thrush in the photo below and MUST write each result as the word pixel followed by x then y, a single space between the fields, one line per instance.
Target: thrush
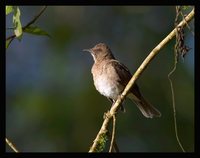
pixel 111 77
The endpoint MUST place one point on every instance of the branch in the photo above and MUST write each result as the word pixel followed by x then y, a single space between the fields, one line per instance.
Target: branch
pixel 11 146
pixel 30 23
pixel 139 71
pixel 113 134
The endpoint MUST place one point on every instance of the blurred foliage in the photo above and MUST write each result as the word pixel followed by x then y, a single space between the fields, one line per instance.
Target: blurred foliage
pixel 51 103
pixel 9 9
pixel 17 23
pixel 17 26
pixel 36 31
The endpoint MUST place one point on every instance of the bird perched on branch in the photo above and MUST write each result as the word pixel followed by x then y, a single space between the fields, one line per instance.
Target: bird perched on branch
pixel 111 77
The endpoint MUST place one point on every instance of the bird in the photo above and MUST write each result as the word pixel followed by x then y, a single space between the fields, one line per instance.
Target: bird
pixel 111 77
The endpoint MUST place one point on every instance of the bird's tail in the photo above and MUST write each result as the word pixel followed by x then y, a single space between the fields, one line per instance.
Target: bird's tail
pixel 146 108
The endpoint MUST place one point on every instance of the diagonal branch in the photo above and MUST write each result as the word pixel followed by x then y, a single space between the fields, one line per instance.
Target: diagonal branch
pixel 35 18
pixel 146 62
pixel 10 144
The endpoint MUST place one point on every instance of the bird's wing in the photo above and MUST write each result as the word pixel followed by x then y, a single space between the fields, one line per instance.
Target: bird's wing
pixel 124 76
pixel 122 71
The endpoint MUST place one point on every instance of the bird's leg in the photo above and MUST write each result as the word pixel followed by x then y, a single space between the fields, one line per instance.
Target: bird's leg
pixel 111 100
pixel 121 106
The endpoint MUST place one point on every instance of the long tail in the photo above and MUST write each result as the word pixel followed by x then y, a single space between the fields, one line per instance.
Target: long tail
pixel 146 108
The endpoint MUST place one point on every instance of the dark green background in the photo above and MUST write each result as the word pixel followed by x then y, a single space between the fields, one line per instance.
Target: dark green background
pixel 51 103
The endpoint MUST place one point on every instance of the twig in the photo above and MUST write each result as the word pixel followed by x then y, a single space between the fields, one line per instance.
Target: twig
pixel 136 75
pixel 183 16
pixel 177 50
pixel 113 134
pixel 11 146
pixel 115 146
pixel 174 108
pixel 30 23
pixel 35 18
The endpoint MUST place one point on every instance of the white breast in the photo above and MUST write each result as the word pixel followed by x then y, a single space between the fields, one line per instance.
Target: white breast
pixel 106 86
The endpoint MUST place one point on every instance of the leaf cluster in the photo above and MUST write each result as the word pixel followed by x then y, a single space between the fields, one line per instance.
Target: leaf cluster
pixel 17 26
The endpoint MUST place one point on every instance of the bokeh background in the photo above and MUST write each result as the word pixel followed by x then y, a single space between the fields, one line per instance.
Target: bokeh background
pixel 51 103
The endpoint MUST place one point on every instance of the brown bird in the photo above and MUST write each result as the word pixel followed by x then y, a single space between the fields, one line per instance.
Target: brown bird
pixel 110 78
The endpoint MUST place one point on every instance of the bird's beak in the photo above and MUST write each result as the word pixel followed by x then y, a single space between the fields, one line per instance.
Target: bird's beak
pixel 87 50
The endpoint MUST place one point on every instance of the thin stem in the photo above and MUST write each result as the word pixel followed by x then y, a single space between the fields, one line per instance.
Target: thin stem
pixel 36 17
pixel 174 109
pixel 113 134
pixel 11 146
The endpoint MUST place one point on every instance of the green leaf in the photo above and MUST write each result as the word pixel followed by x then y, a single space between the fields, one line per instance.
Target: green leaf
pixel 17 23
pixel 8 42
pixel 36 31
pixel 9 9
pixel 185 7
